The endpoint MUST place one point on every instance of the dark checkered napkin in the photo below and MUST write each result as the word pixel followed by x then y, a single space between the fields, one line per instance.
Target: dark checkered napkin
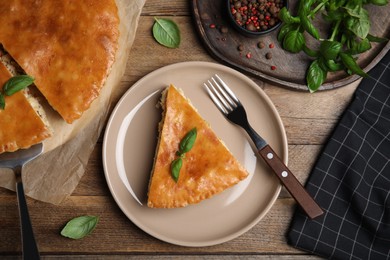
pixel 351 180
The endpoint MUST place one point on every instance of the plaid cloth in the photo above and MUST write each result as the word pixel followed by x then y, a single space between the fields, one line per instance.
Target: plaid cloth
pixel 351 180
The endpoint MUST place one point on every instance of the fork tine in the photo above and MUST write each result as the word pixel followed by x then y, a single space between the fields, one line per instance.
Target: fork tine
pixel 228 90
pixel 225 94
pixel 216 101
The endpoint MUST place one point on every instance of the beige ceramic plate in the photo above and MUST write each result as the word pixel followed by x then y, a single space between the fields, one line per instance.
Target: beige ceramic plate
pixel 131 138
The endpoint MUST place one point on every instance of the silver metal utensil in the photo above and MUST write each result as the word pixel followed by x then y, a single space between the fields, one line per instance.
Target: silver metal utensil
pixel 231 107
pixel 16 161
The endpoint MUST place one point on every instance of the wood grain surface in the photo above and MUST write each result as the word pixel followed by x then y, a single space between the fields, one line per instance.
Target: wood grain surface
pixel 308 120
pixel 290 68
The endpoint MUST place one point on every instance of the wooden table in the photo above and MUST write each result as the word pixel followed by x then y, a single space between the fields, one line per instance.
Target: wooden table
pixel 308 119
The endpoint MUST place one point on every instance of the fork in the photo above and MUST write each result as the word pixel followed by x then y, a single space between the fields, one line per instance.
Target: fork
pixel 231 107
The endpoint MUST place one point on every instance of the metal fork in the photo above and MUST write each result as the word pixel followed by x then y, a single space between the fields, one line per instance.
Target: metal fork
pixel 231 107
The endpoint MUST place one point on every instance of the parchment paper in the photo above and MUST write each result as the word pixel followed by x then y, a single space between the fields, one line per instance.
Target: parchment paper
pixel 55 174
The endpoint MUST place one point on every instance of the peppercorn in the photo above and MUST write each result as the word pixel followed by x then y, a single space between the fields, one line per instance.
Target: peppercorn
pixel 273 67
pixel 261 45
pixel 240 47
pixel 268 55
pixel 224 29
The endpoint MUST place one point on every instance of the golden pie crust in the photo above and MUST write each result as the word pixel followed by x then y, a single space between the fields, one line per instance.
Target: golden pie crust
pixel 208 168
pixel 20 125
pixel 67 46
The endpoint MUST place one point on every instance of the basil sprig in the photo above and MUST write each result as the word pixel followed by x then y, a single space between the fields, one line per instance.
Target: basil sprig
pixel 185 146
pixel 13 85
pixel 166 32
pixel 349 35
pixel 80 227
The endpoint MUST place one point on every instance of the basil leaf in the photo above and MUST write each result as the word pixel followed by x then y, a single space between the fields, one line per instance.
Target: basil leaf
pixel 351 64
pixel 2 101
pixel 358 21
pixel 80 227
pixel 333 66
pixel 17 83
pixel 330 49
pixel 286 17
pixel 188 141
pixel 310 52
pixel 175 168
pixel 286 28
pixel 166 32
pixel 315 76
pixel 373 38
pixel 294 41
pixel 378 2
pixel 357 46
pixel 308 26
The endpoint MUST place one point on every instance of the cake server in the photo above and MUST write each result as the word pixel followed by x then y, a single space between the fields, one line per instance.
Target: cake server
pixel 16 161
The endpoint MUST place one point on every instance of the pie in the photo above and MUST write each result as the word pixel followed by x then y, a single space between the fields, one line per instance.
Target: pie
pixel 22 122
pixel 208 168
pixel 67 46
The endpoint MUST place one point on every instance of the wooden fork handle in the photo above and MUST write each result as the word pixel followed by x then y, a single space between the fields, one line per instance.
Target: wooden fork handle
pixel 291 183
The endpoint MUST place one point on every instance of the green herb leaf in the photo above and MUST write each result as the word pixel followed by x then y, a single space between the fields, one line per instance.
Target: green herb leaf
pixel 309 27
pixel 373 38
pixel 358 21
pixel 310 52
pixel 80 227
pixel 188 141
pixel 286 17
pixel 359 46
pixel 333 66
pixel 176 167
pixel 286 28
pixel 166 32
pixel 17 83
pixel 351 64
pixel 330 49
pixel 2 101
pixel 294 41
pixel 315 76
pixel 378 2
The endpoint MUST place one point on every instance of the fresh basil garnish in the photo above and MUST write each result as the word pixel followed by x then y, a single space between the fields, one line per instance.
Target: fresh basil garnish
pixel 14 85
pixel 2 101
pixel 176 167
pixel 185 146
pixel 166 32
pixel 17 83
pixel 80 227
pixel 188 141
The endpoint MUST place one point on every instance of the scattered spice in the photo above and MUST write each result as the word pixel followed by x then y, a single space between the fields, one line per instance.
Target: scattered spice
pixel 212 26
pixel 273 67
pixel 240 47
pixel 271 45
pixel 261 45
pixel 268 55
pixel 256 15
pixel 249 55
pixel 224 29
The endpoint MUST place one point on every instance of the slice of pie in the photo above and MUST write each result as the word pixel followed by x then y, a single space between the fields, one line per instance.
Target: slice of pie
pixel 207 168
pixel 22 122
pixel 67 46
